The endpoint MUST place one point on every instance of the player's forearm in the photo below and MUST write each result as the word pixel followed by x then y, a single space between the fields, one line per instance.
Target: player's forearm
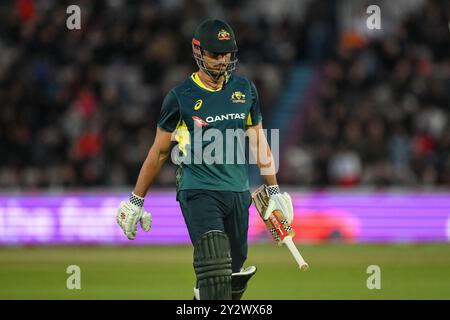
pixel 149 171
pixel 266 164
pixel 263 155
pixel 267 169
pixel 270 180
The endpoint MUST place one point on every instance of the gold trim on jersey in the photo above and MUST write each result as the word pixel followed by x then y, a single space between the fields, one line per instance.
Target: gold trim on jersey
pixel 199 82
pixel 181 135
pixel 249 120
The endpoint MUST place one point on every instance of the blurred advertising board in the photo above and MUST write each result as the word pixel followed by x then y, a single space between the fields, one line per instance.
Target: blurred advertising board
pixel 89 218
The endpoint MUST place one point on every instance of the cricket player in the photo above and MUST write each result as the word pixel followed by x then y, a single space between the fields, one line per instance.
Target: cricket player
pixel 214 197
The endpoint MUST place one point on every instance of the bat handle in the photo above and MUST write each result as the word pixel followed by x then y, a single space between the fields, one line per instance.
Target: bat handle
pixel 294 251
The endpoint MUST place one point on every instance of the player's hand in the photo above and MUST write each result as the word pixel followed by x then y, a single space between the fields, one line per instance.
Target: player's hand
pixel 279 201
pixel 128 216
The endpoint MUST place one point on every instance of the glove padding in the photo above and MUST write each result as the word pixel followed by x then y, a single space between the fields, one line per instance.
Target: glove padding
pixel 128 216
pixel 282 202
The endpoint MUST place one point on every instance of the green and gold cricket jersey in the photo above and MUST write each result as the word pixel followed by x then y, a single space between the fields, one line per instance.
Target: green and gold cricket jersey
pixel 195 114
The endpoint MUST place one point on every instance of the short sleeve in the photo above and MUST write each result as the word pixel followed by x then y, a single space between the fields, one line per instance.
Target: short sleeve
pixel 170 113
pixel 255 116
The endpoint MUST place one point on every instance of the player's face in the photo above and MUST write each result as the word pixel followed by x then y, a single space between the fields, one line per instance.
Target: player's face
pixel 217 61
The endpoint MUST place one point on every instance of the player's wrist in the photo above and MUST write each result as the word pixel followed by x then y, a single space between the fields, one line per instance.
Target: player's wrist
pixel 273 189
pixel 136 200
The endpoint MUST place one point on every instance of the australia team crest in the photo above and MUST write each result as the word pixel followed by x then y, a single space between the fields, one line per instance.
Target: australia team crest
pixel 238 97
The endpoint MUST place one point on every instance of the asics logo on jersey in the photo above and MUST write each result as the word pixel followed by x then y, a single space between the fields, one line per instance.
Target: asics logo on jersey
pixel 198 104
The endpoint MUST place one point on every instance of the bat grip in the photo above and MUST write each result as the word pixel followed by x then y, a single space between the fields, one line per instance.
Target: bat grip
pixel 294 251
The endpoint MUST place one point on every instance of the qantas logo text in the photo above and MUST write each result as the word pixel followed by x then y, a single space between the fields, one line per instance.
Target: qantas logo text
pixel 229 116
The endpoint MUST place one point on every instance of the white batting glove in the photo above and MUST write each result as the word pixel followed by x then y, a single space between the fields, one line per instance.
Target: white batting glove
pixel 130 213
pixel 279 201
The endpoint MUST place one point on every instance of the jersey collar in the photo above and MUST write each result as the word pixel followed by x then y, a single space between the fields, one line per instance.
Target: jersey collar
pixel 199 82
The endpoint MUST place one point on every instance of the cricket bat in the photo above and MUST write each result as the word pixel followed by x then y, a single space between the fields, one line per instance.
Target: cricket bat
pixel 278 225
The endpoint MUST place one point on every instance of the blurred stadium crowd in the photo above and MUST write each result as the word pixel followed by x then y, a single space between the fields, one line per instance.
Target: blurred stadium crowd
pixel 79 108
pixel 382 113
